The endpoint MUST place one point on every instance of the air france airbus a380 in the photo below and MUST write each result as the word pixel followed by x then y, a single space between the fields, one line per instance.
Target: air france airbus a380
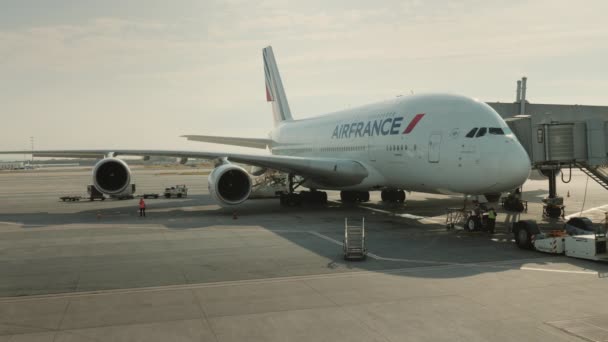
pixel 432 143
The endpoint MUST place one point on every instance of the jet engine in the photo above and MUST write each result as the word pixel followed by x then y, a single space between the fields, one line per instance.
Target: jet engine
pixel 112 176
pixel 229 184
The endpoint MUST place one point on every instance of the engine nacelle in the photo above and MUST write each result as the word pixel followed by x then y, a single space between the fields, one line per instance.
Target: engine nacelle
pixel 229 184
pixel 112 176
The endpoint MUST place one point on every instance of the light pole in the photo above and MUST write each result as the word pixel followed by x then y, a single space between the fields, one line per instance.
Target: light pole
pixel 32 143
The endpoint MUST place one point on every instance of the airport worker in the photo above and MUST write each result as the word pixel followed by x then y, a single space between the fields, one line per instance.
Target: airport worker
pixel 491 220
pixel 142 207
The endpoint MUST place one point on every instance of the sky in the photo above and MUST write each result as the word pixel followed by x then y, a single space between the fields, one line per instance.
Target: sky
pixel 138 74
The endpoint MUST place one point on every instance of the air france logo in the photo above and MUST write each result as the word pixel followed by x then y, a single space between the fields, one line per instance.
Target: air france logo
pixel 388 126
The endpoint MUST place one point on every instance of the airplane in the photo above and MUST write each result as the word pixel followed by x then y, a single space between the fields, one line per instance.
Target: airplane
pixel 433 143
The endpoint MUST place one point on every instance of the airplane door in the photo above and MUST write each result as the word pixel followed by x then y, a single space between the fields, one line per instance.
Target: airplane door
pixel 371 148
pixel 434 147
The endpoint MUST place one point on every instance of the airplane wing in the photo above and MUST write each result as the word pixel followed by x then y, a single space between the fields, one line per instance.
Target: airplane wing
pixel 245 142
pixel 329 171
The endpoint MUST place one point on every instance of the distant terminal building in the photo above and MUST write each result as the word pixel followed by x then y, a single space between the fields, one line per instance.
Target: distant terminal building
pixel 12 165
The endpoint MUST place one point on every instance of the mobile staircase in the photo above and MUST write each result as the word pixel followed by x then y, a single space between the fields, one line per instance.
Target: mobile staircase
pixel 354 241
pixel 598 174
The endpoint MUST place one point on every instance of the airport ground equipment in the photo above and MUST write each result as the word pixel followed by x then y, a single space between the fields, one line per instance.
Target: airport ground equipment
pixel 456 216
pixel 269 185
pixel 354 241
pixel 125 195
pixel 94 193
pixel 70 198
pixel 578 239
pixel 150 195
pixel 177 191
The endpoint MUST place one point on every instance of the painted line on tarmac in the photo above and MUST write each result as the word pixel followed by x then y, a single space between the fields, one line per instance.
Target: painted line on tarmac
pixel 406 215
pixel 526 268
pixel 586 211
pixel 261 281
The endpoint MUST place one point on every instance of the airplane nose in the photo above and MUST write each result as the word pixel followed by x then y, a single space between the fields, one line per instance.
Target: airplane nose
pixel 516 165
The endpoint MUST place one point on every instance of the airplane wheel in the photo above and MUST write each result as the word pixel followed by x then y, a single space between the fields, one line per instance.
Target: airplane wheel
pixel 471 224
pixel 401 196
pixel 364 196
pixel 391 195
pixel 523 232
pixel 324 197
pixel 348 196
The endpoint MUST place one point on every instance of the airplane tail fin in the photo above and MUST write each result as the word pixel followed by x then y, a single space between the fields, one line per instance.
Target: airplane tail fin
pixel 274 88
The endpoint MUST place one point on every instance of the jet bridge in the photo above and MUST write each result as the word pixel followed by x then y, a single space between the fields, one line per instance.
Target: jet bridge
pixel 559 136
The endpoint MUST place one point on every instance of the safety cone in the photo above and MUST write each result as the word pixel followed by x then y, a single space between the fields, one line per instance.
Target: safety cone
pixel 234 215
pixel 568 194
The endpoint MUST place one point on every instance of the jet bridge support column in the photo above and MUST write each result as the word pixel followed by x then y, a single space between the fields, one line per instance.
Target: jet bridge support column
pixel 554 204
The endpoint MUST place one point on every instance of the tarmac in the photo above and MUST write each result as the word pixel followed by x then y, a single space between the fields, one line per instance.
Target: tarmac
pixel 193 271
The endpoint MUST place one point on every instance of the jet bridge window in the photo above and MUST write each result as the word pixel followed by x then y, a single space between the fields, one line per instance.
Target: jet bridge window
pixel 482 131
pixel 471 133
pixel 496 131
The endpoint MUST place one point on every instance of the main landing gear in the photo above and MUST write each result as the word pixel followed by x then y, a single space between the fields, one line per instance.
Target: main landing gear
pixel 293 198
pixel 393 196
pixel 354 196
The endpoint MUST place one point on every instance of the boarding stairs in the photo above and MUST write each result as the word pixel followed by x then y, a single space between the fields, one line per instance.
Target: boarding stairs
pixel 598 174
pixel 354 241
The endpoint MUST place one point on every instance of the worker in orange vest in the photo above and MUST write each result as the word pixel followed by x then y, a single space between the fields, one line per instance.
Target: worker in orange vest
pixel 142 208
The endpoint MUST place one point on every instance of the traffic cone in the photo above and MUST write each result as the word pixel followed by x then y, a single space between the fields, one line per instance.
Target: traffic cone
pixel 568 194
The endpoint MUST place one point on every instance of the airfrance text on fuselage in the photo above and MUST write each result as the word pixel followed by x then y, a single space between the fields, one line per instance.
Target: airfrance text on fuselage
pixel 388 126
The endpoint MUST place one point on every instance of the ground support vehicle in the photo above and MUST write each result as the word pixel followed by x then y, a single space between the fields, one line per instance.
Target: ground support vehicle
pixel 150 196
pixel 456 216
pixel 578 239
pixel 70 198
pixel 472 220
pixel 94 193
pixel 178 191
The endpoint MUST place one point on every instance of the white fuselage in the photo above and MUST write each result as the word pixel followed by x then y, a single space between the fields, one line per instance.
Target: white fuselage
pixel 414 143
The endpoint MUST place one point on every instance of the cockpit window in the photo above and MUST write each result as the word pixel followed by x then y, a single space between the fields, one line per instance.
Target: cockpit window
pixel 496 131
pixel 482 131
pixel 471 133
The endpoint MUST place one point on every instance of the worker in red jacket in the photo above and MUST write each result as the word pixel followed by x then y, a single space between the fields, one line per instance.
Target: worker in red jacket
pixel 142 208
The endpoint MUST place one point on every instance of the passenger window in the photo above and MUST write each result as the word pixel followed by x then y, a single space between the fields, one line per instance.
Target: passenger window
pixel 482 132
pixel 471 133
pixel 496 131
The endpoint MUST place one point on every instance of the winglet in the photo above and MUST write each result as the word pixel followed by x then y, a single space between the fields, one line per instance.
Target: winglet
pixel 274 88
